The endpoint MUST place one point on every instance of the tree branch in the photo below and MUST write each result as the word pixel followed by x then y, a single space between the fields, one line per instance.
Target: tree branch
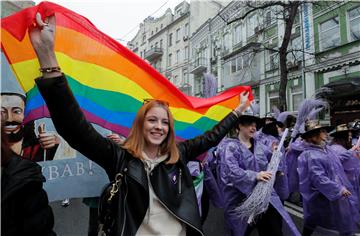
pixel 255 8
pixel 300 50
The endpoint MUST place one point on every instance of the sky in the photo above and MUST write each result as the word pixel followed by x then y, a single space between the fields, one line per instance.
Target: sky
pixel 119 19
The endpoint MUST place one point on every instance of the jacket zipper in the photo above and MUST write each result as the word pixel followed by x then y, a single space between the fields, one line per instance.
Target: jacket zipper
pixel 180 174
pixel 124 212
pixel 175 214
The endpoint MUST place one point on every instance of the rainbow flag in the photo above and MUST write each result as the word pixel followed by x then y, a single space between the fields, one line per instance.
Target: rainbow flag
pixel 109 81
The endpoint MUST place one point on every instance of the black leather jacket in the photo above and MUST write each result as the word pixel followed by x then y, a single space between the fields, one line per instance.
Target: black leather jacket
pixel 25 206
pixel 179 198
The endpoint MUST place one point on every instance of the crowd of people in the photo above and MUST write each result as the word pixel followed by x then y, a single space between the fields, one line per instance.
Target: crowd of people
pixel 157 195
pixel 324 169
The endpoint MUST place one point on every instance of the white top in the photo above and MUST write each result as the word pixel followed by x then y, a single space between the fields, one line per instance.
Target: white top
pixel 158 220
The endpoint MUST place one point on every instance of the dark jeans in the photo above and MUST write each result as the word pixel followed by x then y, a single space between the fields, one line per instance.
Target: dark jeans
pixel 93 222
pixel 268 224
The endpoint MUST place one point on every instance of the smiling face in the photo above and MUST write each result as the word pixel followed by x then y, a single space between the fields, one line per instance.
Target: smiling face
pixel 12 112
pixel 248 130
pixel 156 126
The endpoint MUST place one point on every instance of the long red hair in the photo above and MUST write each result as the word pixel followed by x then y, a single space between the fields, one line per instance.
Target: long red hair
pixel 135 142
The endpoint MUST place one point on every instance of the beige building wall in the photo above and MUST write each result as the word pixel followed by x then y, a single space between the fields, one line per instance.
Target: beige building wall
pixel 164 41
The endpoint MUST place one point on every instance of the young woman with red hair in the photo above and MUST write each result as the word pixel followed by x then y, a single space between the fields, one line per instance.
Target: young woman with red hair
pixel 159 197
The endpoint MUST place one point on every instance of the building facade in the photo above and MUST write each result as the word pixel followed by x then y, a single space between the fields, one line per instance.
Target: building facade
pixel 324 48
pixel 164 42
pixel 337 57
pixel 10 7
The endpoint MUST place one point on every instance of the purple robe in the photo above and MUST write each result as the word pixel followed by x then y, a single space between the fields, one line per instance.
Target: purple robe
pixel 291 157
pixel 266 139
pixel 322 179
pixel 238 170
pixel 351 165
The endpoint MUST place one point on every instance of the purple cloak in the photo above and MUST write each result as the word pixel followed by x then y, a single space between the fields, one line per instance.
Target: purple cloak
pixel 238 170
pixel 351 165
pixel 322 179
pixel 291 159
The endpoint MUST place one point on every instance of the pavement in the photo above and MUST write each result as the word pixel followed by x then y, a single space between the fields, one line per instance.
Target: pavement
pixel 73 220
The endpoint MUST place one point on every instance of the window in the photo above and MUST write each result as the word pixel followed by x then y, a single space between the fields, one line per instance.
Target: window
pixel 296 97
pixel 251 25
pixel 144 38
pixel 170 39
pixel 238 63
pixel 197 86
pixel 186 29
pixel 329 34
pixel 178 56
pixel 169 62
pixel 226 42
pixel 354 24
pixel 176 80
pixel 178 35
pixel 185 76
pixel 233 65
pixel 268 18
pixel 161 43
pixel 273 100
pixel 246 60
pixel 237 34
pixel 186 52
pixel 156 45
pixel 272 60
pixel 295 55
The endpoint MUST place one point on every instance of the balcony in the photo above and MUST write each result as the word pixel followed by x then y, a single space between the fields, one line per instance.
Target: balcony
pixel 199 65
pixel 153 54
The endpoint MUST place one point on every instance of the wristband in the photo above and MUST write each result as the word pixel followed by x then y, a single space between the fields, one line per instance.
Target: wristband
pixel 50 69
pixel 237 113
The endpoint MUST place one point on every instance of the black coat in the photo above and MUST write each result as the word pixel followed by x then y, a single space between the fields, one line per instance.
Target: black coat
pixel 179 198
pixel 25 207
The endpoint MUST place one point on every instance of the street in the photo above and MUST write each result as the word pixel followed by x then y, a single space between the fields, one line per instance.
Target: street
pixel 73 220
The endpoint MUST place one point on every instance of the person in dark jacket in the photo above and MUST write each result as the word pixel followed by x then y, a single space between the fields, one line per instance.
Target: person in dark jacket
pixel 158 197
pixel 25 207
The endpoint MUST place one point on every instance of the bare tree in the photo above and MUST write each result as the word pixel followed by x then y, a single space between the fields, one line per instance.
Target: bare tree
pixel 288 12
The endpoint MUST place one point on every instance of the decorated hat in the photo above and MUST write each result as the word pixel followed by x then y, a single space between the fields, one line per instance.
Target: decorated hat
pixel 312 126
pixel 340 129
pixel 249 117
pixel 355 125
pixel 270 120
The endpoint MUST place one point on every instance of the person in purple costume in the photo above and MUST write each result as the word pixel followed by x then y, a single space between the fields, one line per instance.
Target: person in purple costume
pixel 243 163
pixel 349 155
pixel 327 193
pixel 291 157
